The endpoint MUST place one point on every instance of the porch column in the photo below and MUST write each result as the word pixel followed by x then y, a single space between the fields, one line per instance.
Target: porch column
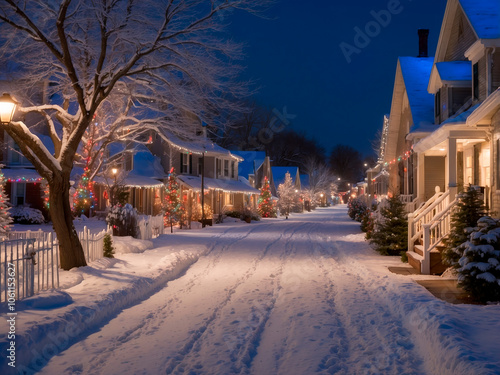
pixel 452 167
pixel 421 177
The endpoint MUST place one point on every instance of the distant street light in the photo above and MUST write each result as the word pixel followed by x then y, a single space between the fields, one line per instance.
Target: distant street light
pixel 7 108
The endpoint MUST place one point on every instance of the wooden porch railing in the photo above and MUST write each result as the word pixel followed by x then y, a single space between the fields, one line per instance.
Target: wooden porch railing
pixel 431 223
pixel 410 203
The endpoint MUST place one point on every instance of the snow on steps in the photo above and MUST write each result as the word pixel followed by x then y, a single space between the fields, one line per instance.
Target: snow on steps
pixel 40 342
pixel 416 257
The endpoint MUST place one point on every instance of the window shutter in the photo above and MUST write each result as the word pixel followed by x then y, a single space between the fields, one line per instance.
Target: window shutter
pixel 190 163
pixel 180 160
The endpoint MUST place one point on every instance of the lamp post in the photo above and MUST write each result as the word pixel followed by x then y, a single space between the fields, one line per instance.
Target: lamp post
pixel 114 172
pixel 7 108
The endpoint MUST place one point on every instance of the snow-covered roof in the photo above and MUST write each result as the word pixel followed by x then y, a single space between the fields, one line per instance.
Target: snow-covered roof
pixel 146 164
pixel 252 160
pixel 198 146
pixel 218 184
pixel 280 172
pixel 461 117
pixel 133 180
pixel 484 16
pixel 416 72
pixel 454 70
pixel 382 173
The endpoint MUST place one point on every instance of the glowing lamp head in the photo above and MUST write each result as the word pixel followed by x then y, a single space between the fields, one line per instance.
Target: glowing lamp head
pixel 114 170
pixel 321 195
pixel 7 108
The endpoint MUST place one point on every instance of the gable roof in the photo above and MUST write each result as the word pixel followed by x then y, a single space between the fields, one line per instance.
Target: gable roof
pixel 416 72
pixel 454 70
pixel 484 16
pixel 252 160
pixel 197 146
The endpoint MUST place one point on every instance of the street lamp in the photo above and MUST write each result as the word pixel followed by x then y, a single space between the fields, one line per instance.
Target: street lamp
pixel 114 171
pixel 7 108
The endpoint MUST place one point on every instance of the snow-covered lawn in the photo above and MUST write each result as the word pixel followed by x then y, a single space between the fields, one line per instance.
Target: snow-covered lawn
pixel 299 296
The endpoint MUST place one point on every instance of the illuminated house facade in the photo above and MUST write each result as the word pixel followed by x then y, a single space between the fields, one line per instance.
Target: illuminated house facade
pixel 457 144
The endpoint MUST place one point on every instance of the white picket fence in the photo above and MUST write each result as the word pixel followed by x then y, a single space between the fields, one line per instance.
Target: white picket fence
pixel 34 255
pixel 28 266
pixel 93 244
pixel 151 226
pixel 33 258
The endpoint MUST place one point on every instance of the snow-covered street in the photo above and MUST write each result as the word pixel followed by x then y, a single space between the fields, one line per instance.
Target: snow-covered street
pixel 299 296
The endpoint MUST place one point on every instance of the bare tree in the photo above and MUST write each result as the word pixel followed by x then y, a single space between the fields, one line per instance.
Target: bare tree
pixel 151 61
pixel 346 163
pixel 321 177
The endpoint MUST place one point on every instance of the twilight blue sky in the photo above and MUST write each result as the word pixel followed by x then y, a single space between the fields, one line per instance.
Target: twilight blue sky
pixel 296 60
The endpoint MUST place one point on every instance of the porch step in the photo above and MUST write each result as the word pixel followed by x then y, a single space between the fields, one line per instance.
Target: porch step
pixel 416 257
pixel 419 249
pixel 415 260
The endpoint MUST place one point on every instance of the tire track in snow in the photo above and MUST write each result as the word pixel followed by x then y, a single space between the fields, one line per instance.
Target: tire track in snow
pixel 376 342
pixel 240 354
pixel 152 319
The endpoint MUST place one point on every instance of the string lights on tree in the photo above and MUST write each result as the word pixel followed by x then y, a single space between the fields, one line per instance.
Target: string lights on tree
pixel 5 219
pixel 84 198
pixel 266 208
pixel 173 207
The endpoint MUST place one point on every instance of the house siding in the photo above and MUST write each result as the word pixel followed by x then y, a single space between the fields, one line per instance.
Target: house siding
pixel 495 76
pixel 461 38
pixel 434 175
pixel 483 84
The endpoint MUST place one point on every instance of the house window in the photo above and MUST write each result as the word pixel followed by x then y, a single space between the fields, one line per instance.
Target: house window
pixel 468 169
pixel 475 80
pixel 200 166
pixel 226 168
pixel 437 104
pixel 219 167
pixel 18 193
pixel 232 169
pixel 184 163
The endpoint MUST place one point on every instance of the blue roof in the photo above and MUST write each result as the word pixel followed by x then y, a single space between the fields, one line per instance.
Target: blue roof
pixel 455 70
pixel 252 161
pixel 416 73
pixel 462 117
pixel 280 172
pixel 484 16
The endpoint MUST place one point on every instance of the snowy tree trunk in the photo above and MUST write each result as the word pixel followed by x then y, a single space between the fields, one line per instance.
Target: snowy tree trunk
pixel 71 251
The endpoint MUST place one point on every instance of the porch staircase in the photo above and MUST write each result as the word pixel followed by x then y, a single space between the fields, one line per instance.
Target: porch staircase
pixel 427 227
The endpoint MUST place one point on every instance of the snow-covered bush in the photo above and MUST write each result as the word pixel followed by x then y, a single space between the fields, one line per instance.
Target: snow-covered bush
pixel 479 267
pixel 356 209
pixel 248 214
pixel 26 215
pixel 123 220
